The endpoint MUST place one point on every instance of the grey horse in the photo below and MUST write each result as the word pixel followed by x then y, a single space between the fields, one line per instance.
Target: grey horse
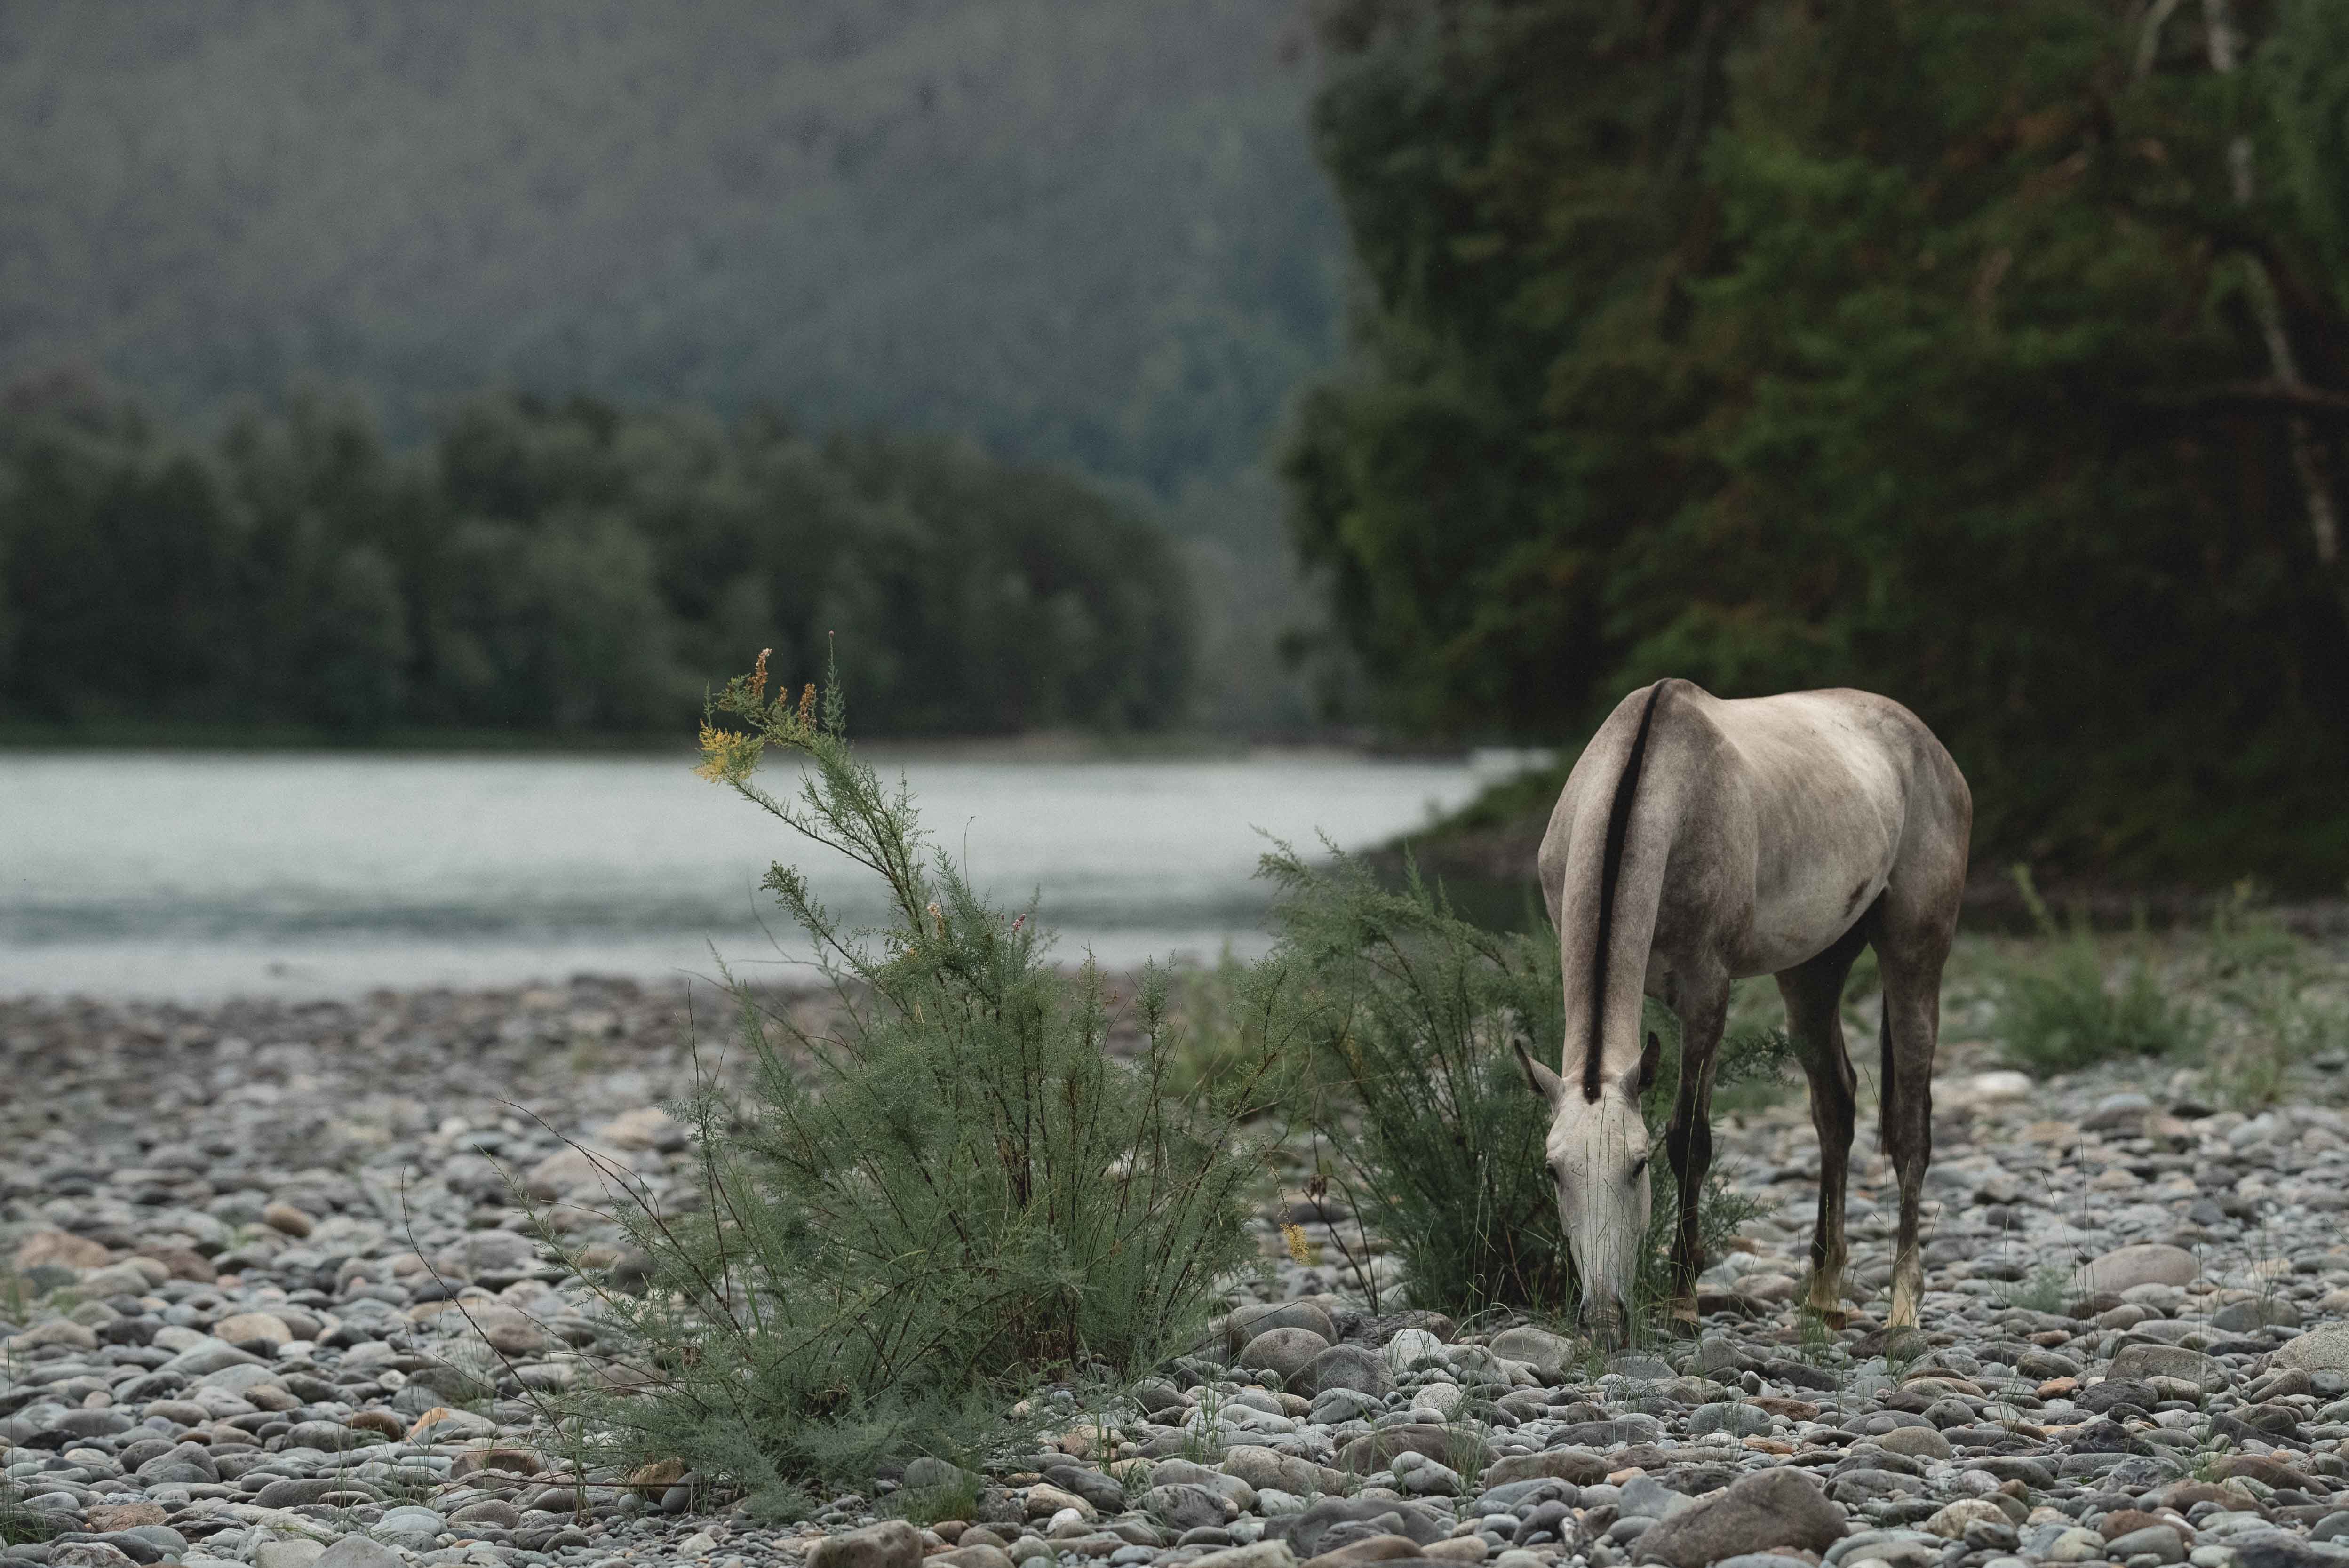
pixel 1700 841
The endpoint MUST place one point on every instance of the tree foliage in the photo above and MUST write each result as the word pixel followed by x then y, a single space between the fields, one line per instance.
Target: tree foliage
pixel 1919 347
pixel 571 567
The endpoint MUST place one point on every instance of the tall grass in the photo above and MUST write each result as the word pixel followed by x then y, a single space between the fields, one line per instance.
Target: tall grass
pixel 960 1192
pixel 1395 1019
pixel 2059 1011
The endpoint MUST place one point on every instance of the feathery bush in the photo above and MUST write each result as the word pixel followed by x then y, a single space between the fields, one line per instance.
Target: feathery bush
pixel 957 1193
pixel 1395 1019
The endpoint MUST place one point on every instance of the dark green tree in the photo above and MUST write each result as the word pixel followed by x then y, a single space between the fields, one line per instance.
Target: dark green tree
pixel 1930 349
pixel 569 566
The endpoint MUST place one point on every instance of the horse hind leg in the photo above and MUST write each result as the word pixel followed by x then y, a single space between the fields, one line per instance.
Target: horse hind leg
pixel 1911 963
pixel 1813 993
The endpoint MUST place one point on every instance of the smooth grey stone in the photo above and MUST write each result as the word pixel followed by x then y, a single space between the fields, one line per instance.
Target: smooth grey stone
pixel 1245 1322
pixel 1352 1366
pixel 163 1537
pixel 1645 1497
pixel 1631 1364
pixel 1304 1531
pixel 2246 1316
pixel 1102 1490
pixel 1739 1420
pixel 1537 1348
pixel 1516 1494
pixel 411 1526
pixel 923 1473
pixel 2159 1540
pixel 1780 1506
pixel 1183 1507
pixel 1286 1352
pixel 2134 1363
pixel 358 1552
pixel 2325 1348
pixel 1602 1435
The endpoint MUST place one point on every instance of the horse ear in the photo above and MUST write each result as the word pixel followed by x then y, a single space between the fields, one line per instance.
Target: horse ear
pixel 1539 1078
pixel 1650 1056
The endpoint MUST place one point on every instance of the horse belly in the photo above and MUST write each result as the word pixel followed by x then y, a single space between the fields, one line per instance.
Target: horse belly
pixel 1826 804
pixel 1802 917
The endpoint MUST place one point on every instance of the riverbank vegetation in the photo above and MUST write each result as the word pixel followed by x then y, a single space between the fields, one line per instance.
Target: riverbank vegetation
pixel 1396 1021
pixel 982 1174
pixel 980 1179
pixel 573 569
pixel 953 1189
pixel 1988 359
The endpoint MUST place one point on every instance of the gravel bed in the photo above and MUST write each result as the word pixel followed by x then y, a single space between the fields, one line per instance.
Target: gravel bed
pixel 278 1304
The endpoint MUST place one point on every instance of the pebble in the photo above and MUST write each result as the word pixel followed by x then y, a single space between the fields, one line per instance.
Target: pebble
pixel 260 1218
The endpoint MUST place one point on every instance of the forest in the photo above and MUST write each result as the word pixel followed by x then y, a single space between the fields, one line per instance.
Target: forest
pixel 564 567
pixel 1087 232
pixel 1083 235
pixel 1984 355
pixel 1992 356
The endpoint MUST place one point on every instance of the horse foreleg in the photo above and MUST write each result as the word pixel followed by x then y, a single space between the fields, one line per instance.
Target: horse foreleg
pixel 1688 1140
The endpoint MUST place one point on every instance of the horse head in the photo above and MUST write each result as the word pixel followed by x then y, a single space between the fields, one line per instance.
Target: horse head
pixel 1596 1152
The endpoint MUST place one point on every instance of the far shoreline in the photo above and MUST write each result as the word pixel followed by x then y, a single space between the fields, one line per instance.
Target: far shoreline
pixel 26 738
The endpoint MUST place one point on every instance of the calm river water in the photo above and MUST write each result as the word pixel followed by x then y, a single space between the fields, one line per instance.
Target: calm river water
pixel 198 876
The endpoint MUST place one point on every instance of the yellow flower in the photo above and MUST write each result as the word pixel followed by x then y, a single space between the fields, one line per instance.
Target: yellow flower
pixel 1300 1248
pixel 725 755
pixel 758 677
pixel 807 705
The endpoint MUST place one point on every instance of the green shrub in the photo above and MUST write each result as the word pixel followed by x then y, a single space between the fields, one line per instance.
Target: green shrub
pixel 2278 1004
pixel 1221 1034
pixel 2048 1288
pixel 954 1499
pixel 2059 1012
pixel 1395 1019
pixel 956 1194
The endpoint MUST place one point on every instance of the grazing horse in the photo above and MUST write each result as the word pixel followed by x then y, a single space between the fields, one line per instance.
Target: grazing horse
pixel 1699 841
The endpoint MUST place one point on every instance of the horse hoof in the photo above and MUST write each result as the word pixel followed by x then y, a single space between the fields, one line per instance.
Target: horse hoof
pixel 1834 1317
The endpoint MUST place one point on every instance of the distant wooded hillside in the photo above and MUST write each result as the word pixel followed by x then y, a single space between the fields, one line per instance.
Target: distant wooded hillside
pixel 1080 231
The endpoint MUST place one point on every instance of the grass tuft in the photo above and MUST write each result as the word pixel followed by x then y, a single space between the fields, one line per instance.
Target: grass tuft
pixel 2047 1290
pixel 957 1499
pixel 2279 1006
pixel 2060 1011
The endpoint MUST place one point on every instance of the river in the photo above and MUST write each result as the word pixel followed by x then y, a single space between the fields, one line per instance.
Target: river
pixel 197 876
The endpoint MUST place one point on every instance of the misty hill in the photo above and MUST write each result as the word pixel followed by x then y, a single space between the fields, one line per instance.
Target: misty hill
pixel 1083 232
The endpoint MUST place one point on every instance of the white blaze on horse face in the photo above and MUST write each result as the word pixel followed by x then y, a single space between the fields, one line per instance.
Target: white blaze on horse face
pixel 1597 1154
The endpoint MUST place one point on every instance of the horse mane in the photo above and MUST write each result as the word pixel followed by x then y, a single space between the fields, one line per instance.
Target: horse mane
pixel 1610 871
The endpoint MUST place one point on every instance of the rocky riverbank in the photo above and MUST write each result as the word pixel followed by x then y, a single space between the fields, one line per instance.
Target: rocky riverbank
pixel 277 1303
